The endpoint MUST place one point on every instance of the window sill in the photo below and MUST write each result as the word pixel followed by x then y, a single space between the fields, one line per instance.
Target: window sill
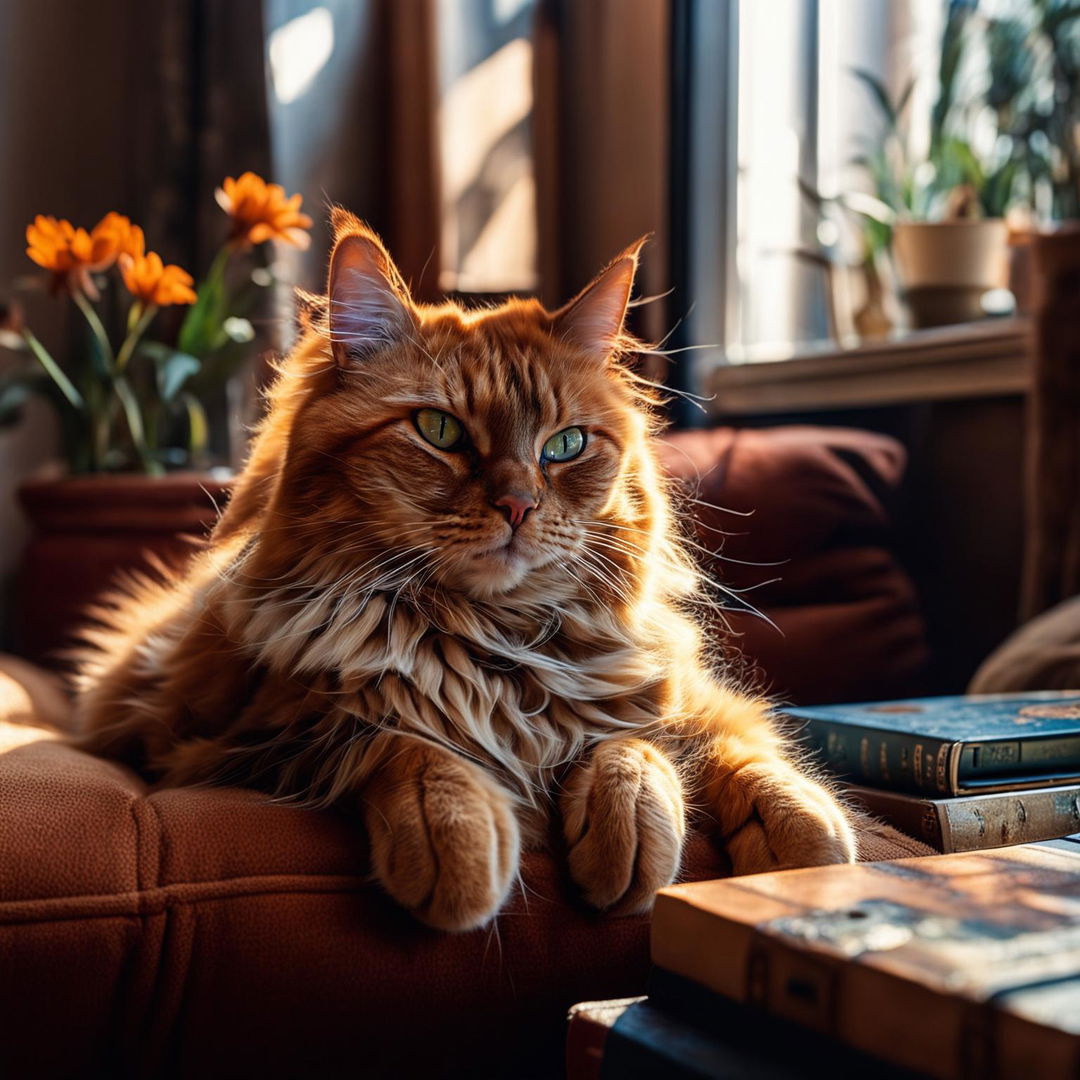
pixel 987 359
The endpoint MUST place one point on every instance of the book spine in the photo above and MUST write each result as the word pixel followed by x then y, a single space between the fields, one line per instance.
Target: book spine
pixel 918 817
pixel 1022 817
pixel 586 1036
pixel 886 759
pixel 616 1040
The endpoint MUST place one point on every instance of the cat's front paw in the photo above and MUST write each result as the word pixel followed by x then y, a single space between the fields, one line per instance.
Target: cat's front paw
pixel 624 823
pixel 773 817
pixel 444 838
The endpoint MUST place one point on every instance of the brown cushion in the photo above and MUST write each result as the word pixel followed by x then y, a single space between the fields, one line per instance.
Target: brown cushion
pixel 28 694
pixel 1043 654
pixel 210 932
pixel 795 519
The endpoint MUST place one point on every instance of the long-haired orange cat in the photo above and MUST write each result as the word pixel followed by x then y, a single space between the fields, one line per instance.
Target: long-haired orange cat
pixel 448 594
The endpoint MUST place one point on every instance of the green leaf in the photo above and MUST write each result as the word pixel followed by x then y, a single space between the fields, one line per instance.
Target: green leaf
pixel 953 45
pixel 203 321
pixel 1059 16
pixel 173 368
pixel 198 425
pixel 905 97
pixel 54 371
pixel 958 157
pixel 136 427
pixel 860 203
pixel 880 94
pixel 997 194
pixel 16 390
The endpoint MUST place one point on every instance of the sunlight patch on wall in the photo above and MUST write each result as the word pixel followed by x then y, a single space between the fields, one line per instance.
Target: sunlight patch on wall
pixel 507 10
pixel 298 51
pixel 485 157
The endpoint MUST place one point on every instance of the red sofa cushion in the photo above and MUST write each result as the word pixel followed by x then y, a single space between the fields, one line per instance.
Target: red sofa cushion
pixel 810 504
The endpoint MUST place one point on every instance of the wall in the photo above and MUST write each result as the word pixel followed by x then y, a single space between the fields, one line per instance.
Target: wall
pixel 64 95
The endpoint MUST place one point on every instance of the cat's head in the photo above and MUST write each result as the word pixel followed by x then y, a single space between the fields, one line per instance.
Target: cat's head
pixel 474 449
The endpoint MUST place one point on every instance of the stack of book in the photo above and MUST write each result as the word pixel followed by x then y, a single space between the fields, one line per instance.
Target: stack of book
pixel 952 966
pixel 956 966
pixel 959 773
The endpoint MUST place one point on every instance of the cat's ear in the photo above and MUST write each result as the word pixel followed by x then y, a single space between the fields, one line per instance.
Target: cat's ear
pixel 368 301
pixel 593 320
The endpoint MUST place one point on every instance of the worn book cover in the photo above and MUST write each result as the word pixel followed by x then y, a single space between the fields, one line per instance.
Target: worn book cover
pixel 949 745
pixel 955 966
pixel 613 1040
pixel 976 822
pixel 690 1034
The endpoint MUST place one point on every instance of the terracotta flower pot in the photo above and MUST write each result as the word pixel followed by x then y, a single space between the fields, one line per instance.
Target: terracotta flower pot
pixel 946 267
pixel 87 529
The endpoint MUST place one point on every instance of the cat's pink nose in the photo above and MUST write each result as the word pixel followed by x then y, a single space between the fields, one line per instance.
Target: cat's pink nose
pixel 516 504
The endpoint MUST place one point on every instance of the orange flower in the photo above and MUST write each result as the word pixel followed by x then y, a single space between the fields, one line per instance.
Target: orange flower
pixel 260 211
pixel 114 235
pixel 73 255
pixel 58 246
pixel 149 280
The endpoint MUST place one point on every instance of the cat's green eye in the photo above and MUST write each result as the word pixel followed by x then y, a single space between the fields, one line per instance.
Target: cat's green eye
pixel 439 428
pixel 564 445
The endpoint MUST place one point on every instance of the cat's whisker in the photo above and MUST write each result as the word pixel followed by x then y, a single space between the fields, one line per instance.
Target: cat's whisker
pixel 736 595
pixel 721 509
pixel 686 542
pixel 363 619
pixel 710 553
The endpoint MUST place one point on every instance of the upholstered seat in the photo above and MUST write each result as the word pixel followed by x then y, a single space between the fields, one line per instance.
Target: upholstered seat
pixel 210 932
pixel 798 518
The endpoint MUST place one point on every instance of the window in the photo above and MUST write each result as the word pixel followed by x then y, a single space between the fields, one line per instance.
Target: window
pixel 772 107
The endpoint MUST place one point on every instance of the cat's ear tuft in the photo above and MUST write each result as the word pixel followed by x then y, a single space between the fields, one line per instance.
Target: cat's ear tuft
pixel 593 320
pixel 309 310
pixel 368 301
pixel 343 221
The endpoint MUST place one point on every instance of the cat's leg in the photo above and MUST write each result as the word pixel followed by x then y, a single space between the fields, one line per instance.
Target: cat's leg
pixel 768 813
pixel 624 823
pixel 444 837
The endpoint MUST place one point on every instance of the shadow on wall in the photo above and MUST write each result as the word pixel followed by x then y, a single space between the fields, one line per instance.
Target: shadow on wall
pixel 67 153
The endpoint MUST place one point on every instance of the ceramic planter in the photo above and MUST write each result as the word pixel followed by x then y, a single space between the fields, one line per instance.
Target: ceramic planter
pixel 87 529
pixel 945 267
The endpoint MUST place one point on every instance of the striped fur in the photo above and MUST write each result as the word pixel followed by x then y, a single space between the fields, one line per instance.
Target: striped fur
pixel 359 599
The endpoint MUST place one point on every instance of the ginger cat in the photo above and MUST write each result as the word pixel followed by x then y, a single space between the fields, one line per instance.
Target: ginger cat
pixel 448 594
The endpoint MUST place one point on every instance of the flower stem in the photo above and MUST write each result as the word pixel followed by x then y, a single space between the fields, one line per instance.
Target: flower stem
pixel 130 404
pixel 121 387
pixel 95 325
pixel 225 253
pixel 139 323
pixel 54 371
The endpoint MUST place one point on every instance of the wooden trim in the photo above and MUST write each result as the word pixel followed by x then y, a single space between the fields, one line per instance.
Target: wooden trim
pixel 1052 555
pixel 989 359
pixel 415 196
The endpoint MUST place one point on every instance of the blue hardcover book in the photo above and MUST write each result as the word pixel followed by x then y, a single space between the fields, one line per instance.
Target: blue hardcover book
pixel 949 745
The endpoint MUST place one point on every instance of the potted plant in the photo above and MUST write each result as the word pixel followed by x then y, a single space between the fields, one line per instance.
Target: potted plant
pixel 1033 65
pixel 1004 145
pixel 934 219
pixel 133 409
pixel 941 214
